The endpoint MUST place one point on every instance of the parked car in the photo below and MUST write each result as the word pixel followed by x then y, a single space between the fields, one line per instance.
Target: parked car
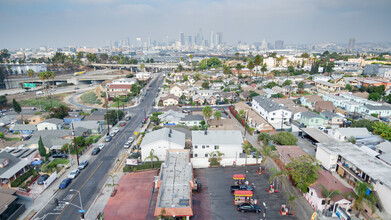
pixel 130 139
pixel 95 151
pixel 384 119
pixel 42 179
pixel 126 145
pixel 123 124
pixel 83 164
pixel 141 125
pixel 74 174
pixel 101 146
pixel 247 207
pixel 145 120
pixel 108 138
pixel 60 156
pixel 64 184
pixel 241 187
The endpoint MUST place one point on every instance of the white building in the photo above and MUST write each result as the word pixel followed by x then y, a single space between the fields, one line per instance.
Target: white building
pixel 143 75
pixel 50 124
pixel 228 142
pixel 124 81
pixel 160 141
pixel 277 115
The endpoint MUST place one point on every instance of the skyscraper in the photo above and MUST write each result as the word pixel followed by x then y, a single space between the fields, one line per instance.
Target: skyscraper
pixel 219 38
pixel 189 41
pixel 264 45
pixel 352 41
pixel 211 41
pixel 182 39
pixel 279 45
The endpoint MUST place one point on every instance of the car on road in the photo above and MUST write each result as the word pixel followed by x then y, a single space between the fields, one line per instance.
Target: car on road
pixel 64 184
pixel 108 138
pixel 76 88
pixel 42 179
pixel 101 146
pixel 384 119
pixel 241 187
pixel 145 120
pixel 60 156
pixel 141 125
pixel 74 174
pixel 123 124
pixel 95 151
pixel 83 164
pixel 126 145
pixel 247 207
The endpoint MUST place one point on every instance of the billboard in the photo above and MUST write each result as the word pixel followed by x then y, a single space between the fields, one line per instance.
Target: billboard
pixel 29 85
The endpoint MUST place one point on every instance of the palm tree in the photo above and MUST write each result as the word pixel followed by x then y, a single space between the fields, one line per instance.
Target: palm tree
pixel 52 75
pixel 267 152
pixel 217 115
pixel 264 69
pixel 151 157
pixel 276 176
pixel 246 147
pixel 238 68
pixel 251 66
pixel 328 195
pixel 291 201
pixel 207 112
pixel 30 73
pixel 112 177
pixel 257 153
pixel 191 61
pixel 361 197
pixel 42 77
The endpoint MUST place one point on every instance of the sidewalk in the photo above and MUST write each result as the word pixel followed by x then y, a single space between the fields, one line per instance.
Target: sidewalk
pixel 48 194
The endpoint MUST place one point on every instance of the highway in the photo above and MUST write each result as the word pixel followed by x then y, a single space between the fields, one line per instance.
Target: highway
pixel 91 180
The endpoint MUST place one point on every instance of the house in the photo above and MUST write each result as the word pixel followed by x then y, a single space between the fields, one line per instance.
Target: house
pixel 160 141
pixel 310 101
pixel 244 95
pixel 177 90
pixel 322 106
pixel 199 100
pixel 277 115
pixel 254 120
pixel 343 134
pixel 228 142
pixel 381 111
pixel 35 119
pixel 192 120
pixel 171 117
pixel 7 119
pixel 23 129
pixel 143 76
pixel 211 100
pixel 51 124
pixel 10 209
pixel 170 100
pixel 11 168
pixel 116 90
pixel 289 104
pixel 71 118
pixel 52 139
pixel 326 86
pixel 124 81
pixel 269 92
pixel 93 127
pixel 353 164
pixel 310 119
pixel 316 199
pixel 333 119
pixel 288 152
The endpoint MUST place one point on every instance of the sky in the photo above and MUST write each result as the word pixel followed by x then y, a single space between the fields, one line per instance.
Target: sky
pixel 93 23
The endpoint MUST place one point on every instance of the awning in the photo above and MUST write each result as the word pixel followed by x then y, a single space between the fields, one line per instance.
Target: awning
pixel 239 176
pixel 248 193
pixel 37 162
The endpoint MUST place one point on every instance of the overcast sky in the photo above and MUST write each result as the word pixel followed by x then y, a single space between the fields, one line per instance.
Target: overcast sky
pixel 56 23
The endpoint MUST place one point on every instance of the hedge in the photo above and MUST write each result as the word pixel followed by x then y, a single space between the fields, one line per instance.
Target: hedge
pixel 23 178
pixel 143 166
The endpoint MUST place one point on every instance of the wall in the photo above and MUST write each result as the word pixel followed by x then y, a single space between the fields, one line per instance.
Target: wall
pixel 44 125
pixel 384 194
pixel 160 148
pixel 328 161
pixel 227 150
pixel 204 162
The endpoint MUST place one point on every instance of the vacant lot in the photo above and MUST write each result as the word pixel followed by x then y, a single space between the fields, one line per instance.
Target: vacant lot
pixel 90 98
pixel 43 103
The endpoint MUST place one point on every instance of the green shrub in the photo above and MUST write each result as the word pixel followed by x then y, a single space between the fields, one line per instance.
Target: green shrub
pixel 1 135
pixel 22 178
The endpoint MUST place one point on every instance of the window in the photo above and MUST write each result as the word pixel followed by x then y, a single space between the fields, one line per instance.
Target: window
pixel 274 113
pixel 323 202
pixel 207 146
pixel 206 155
pixel 216 147
pixel 195 147
pixel 195 155
pixel 203 146
pixel 317 121
pixel 272 119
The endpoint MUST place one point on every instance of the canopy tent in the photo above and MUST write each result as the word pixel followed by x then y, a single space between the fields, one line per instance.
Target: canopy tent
pixel 239 177
pixel 247 193
pixel 37 162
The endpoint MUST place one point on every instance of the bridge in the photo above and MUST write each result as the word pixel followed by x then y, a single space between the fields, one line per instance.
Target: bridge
pixel 152 67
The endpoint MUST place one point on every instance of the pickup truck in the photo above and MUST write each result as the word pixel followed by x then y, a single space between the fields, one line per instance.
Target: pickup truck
pixel 241 187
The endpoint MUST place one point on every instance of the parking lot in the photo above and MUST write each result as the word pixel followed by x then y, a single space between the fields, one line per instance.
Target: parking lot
pixel 218 182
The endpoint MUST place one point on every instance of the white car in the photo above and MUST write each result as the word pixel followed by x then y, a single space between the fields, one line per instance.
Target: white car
pixel 101 146
pixel 112 134
pixel 74 174
pixel 127 145
pixel 131 139
pixel 116 130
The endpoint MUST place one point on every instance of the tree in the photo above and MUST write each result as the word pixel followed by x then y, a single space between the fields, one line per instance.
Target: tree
pixel 374 96
pixel 207 112
pixel 382 129
pixel 270 85
pixel 59 112
pixel 291 201
pixel 348 87
pixel 205 85
pixel 265 138
pixel 361 196
pixel 3 100
pixel 291 69
pixel 41 147
pixel 185 78
pixel 304 171
pixel 287 82
pixel 80 55
pixel 285 138
pixel 30 73
pixel 142 66
pixel 197 76
pixel 227 70
pixel 252 95
pixel 278 95
pixel 16 106
pixel 305 55
pixel 364 123
pixel 151 157
pixel 352 140
pixel 91 57
pixel 329 67
pixel 238 67
pixel 80 141
pixel 1 135
pixel 264 68
pixel 328 195
pixel 246 147
pixel 112 115
pixel 217 115
pixel 250 65
pixel 276 175
pixel 257 60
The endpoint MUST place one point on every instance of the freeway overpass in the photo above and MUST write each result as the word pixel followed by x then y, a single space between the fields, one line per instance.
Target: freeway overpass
pixel 152 67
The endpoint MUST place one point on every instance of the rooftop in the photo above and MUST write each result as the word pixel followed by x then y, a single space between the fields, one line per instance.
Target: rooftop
pixel 217 137
pixel 354 132
pixel 165 134
pixel 268 104
pixel 331 183
pixel 317 134
pixel 176 179
pixel 53 121
pixel 309 114
pixel 193 118
pixel 287 152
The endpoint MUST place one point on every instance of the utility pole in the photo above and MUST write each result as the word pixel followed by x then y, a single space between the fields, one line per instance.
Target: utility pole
pixel 107 116
pixel 245 122
pixel 74 142
pixel 117 109
pixel 282 120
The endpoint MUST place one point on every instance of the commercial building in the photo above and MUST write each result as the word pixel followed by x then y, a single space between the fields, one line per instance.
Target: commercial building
pixel 175 185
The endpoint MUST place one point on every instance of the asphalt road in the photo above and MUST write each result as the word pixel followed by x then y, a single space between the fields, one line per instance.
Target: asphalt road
pixel 93 177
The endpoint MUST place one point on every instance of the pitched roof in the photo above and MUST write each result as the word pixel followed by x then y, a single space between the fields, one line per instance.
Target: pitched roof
pixel 309 114
pixel 331 183
pixel 330 115
pixel 312 98
pixel 171 96
pixel 378 107
pixel 354 132
pixel 24 127
pixel 120 86
pixel 193 118
pixel 6 198
pixel 268 104
pixel 287 152
pixel 15 165
pixel 53 121
pixel 327 105
pixel 163 134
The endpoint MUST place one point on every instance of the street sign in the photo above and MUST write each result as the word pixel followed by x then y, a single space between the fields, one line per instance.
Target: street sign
pixel 29 85
pixel 82 211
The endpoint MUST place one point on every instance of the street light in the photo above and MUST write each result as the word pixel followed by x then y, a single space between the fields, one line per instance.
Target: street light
pixel 81 204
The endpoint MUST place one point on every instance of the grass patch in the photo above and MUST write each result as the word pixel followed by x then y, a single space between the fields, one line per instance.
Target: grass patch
pixel 90 98
pixel 12 139
pixel 96 137
pixel 60 161
pixel 44 102
pixel 79 149
pixel 143 166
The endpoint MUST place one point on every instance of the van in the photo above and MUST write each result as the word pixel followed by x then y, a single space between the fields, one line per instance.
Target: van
pixel 39 93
